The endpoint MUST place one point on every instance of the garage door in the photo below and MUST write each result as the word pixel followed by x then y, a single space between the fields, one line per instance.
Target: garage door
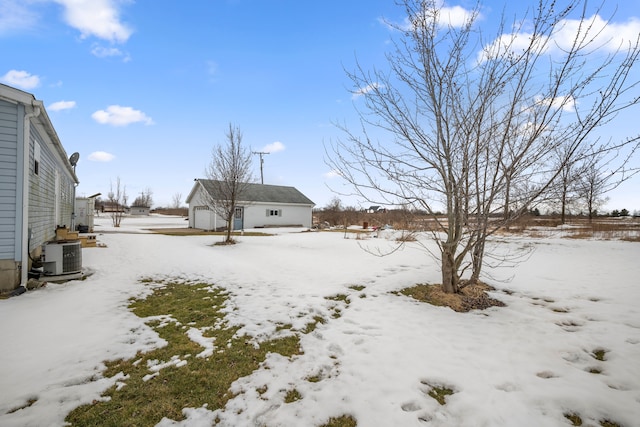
pixel 203 218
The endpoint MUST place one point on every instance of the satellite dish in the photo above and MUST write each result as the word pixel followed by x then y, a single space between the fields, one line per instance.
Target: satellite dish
pixel 74 158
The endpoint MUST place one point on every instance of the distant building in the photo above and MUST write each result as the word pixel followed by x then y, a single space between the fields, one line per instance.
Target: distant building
pixel 139 210
pixel 259 206
pixel 376 209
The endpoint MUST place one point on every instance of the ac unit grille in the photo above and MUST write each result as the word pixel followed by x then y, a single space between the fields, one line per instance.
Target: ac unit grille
pixel 71 258
pixel 62 258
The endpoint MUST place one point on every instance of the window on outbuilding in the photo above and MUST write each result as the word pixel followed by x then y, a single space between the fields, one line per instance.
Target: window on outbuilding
pixel 274 212
pixel 36 159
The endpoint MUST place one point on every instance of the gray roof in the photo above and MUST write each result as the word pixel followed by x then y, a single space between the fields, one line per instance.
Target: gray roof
pixel 264 193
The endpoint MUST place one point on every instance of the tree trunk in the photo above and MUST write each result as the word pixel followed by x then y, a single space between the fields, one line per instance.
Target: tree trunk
pixel 564 204
pixel 477 257
pixel 450 277
pixel 229 228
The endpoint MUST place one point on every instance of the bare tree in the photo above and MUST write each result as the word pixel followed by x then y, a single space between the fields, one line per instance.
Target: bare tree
pixel 176 200
pixel 467 126
pixel 601 174
pixel 592 186
pixel 229 173
pixel 144 199
pixel 565 189
pixel 117 202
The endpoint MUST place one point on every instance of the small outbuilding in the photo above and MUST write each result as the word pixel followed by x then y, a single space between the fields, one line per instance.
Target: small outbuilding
pixel 140 210
pixel 37 185
pixel 259 206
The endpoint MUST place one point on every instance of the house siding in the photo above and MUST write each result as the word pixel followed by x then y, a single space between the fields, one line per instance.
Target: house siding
pixel 255 215
pixel 8 178
pixel 50 193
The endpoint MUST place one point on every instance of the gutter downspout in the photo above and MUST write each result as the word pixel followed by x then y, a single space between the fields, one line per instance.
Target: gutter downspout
pixel 24 266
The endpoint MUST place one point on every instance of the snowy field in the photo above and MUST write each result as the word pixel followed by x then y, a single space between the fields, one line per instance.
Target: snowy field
pixel 525 364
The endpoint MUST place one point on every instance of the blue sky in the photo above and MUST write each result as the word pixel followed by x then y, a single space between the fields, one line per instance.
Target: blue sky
pixel 143 90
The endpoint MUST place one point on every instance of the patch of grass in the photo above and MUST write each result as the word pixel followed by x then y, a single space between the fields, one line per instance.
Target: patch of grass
pixel 283 326
pixel 342 421
pixel 145 394
pixel 339 297
pixel 357 287
pixel 609 423
pixel 599 354
pixel 198 232
pixel 440 393
pixel 594 370
pixel 28 403
pixel 292 396
pixel 314 378
pixel 311 326
pixel 470 297
pixel 574 418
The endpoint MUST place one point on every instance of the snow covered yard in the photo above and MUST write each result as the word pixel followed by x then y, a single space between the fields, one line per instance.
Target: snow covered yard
pixel 527 364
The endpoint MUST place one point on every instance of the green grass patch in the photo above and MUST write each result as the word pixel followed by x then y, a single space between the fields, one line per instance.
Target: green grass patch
pixel 342 421
pixel 574 418
pixel 283 326
pixel 314 378
pixel 357 287
pixel 440 393
pixel 339 297
pixel 292 396
pixel 599 354
pixel 144 395
pixel 311 326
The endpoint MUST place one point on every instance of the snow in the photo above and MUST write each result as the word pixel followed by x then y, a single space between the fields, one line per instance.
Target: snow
pixel 525 364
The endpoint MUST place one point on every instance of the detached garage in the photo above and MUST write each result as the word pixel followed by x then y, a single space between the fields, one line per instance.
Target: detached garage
pixel 258 206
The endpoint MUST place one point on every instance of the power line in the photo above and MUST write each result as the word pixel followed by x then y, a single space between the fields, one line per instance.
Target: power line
pixel 261 153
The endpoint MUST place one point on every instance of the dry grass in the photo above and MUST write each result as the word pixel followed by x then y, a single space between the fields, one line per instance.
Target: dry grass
pixel 603 228
pixel 342 421
pixel 470 297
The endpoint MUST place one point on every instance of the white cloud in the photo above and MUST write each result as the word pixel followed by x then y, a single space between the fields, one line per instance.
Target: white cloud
pixel 610 36
pixel 101 156
pixel 61 105
pixel 98 18
pixel 455 16
pixel 364 90
pixel 332 174
pixel 274 147
pixel 117 115
pixel 566 103
pixel 15 16
pixel 607 36
pixel 21 79
pixel 106 52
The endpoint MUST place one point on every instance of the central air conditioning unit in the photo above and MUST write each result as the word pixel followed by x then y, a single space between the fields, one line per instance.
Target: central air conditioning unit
pixel 61 258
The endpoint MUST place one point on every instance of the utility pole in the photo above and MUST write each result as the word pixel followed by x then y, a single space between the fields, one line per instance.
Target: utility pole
pixel 261 153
